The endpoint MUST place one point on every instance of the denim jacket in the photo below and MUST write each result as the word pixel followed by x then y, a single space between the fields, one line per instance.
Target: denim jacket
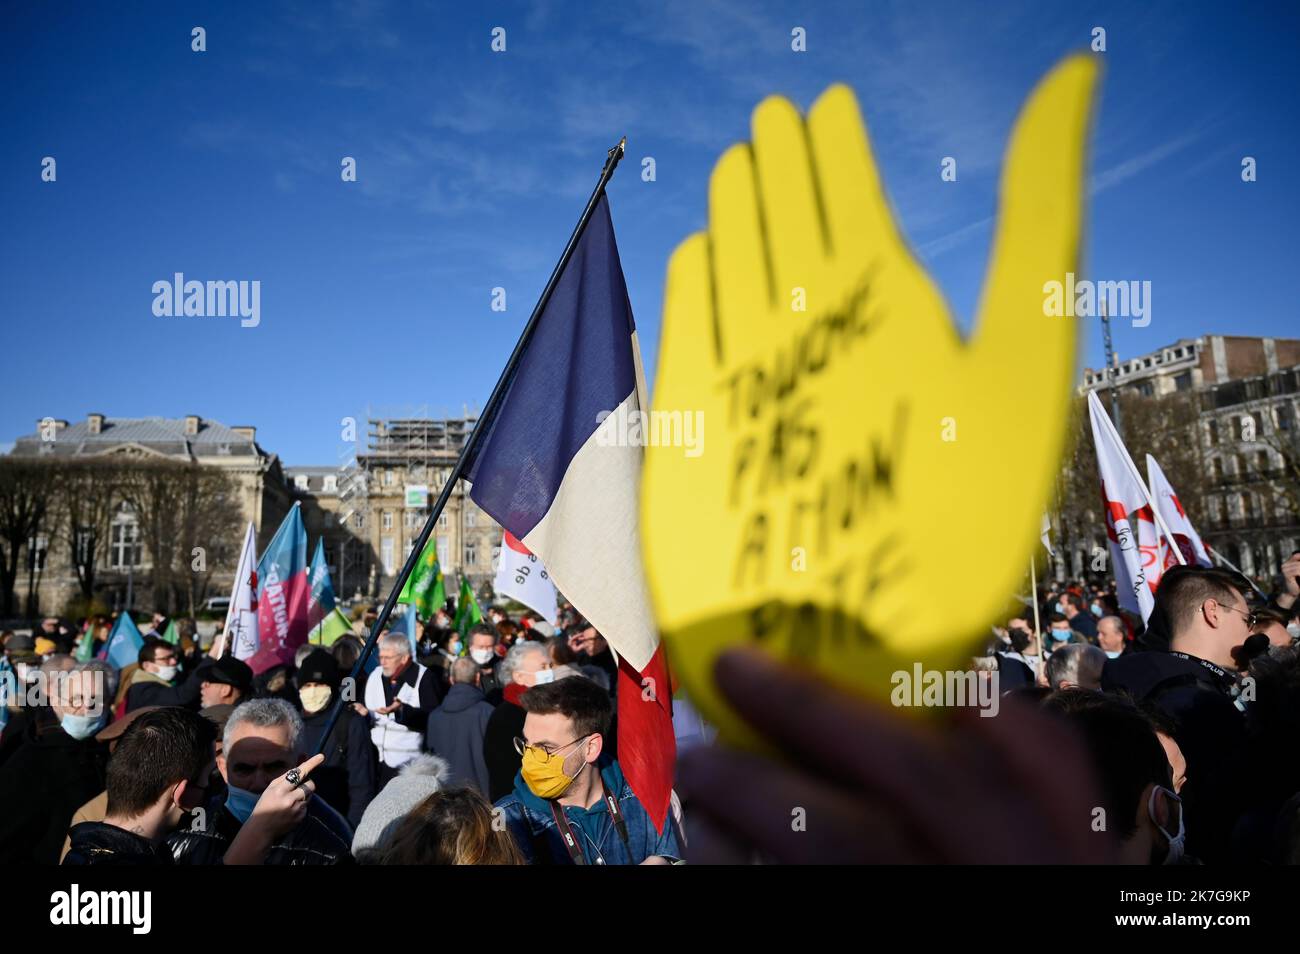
pixel 533 827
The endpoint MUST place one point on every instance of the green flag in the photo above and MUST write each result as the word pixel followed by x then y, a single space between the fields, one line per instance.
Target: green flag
pixel 425 589
pixel 328 630
pixel 87 645
pixel 170 634
pixel 467 611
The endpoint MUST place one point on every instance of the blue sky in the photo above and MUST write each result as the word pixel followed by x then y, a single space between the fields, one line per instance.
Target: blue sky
pixel 473 166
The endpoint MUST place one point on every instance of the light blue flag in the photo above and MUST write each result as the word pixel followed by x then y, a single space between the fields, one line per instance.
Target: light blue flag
pixel 124 642
pixel 320 589
pixel 408 624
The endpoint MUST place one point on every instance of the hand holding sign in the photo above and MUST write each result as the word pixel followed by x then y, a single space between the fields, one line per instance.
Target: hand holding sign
pixel 872 484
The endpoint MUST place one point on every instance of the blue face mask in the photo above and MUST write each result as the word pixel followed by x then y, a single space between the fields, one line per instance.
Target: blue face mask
pixel 1059 608
pixel 1060 635
pixel 1112 655
pixel 1096 610
pixel 240 802
pixel 82 726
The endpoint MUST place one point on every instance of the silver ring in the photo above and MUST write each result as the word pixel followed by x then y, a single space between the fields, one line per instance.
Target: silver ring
pixel 293 777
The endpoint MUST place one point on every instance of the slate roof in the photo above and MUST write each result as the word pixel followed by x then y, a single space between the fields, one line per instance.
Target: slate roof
pixel 164 435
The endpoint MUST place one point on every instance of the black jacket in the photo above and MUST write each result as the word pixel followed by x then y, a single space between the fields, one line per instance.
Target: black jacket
pixel 42 784
pixel 506 722
pixel 1197 696
pixel 323 838
pixel 95 843
pixel 347 779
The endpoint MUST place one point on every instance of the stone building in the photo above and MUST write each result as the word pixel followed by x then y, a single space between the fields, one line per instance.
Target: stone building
pixel 123 565
pixel 1247 393
pixel 371 509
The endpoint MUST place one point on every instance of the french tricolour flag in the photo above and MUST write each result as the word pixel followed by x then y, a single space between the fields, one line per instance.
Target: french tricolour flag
pixel 551 468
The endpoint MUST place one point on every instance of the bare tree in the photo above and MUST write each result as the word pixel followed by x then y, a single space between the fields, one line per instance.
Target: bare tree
pixel 24 502
pixel 183 507
pixel 85 494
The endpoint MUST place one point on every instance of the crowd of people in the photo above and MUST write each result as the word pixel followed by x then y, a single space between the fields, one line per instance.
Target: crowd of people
pixel 454 750
pixel 1188 719
pixel 1161 742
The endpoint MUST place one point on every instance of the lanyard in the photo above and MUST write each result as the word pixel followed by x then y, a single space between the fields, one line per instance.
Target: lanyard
pixel 566 830
pixel 1222 674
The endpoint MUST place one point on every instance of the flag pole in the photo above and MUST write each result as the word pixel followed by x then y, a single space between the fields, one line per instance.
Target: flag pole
pixel 612 158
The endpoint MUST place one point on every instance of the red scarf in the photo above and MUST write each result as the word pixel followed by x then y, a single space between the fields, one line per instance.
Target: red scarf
pixel 513 692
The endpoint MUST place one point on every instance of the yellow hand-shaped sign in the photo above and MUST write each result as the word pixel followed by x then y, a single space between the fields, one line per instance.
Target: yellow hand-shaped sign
pixel 870 484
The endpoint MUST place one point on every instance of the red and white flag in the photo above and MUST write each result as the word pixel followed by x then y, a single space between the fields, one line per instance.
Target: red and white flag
pixel 1176 519
pixel 522 577
pixel 241 616
pixel 1122 493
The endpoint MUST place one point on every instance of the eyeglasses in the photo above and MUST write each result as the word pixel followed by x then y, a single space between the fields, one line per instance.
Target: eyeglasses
pixel 521 746
pixel 1251 618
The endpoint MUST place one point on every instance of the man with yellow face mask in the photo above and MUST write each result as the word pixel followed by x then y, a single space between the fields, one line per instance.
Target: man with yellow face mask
pixel 571 803
pixel 346 781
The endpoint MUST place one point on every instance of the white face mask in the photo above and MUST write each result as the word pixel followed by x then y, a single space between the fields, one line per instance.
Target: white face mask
pixel 543 676
pixel 166 672
pixel 1175 841
pixel 481 656
pixel 1294 629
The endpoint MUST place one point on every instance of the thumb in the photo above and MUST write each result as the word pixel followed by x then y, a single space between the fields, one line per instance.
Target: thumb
pixel 1040 219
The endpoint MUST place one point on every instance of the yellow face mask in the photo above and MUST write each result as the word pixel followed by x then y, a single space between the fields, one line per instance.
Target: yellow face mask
pixel 544 774
pixel 314 698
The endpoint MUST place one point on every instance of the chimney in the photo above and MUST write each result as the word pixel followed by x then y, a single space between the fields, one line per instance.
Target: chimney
pixel 94 423
pixel 248 432
pixel 191 425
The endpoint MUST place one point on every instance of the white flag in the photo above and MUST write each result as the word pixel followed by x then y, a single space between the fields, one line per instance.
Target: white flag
pixel 1122 493
pixel 521 576
pixel 241 616
pixel 1175 517
pixel 1047 529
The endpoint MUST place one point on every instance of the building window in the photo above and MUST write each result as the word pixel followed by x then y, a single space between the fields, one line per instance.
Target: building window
pixel 1259 424
pixel 444 551
pixel 471 556
pixel 388 520
pixel 1261 462
pixel 300 481
pixel 470 518
pixel 124 548
pixel 359 521
pixel 1218 468
pixel 1147 389
pixel 414 519
pixel 442 520
pixel 406 551
pixel 1183 381
pixel 1247 511
pixel 331 483
pixel 1213 427
pixel 390 478
pixel 1285 417
pixel 386 555
pixel 1241 465
pixel 496 557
